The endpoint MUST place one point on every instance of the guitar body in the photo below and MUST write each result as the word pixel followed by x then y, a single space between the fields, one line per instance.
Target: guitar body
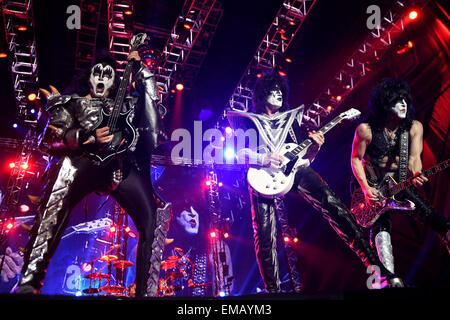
pixel 124 138
pixel 271 182
pixel 367 215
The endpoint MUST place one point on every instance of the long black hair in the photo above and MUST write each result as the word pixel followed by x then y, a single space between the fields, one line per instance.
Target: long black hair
pixel 80 83
pixel 266 83
pixel 383 97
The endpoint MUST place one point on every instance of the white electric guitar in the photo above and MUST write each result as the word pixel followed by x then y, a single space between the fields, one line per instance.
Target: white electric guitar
pixel 272 182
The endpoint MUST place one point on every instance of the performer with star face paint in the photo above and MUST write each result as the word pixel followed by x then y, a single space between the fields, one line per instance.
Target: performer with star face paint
pixel 376 154
pixel 73 174
pixel 276 124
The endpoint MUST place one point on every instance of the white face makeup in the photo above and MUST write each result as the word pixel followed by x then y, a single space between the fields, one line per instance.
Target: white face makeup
pixel 400 108
pixel 189 220
pixel 275 99
pixel 101 80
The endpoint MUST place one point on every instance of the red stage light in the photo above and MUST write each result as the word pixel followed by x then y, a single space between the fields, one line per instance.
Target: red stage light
pixel 410 44
pixel 32 96
pixel 295 240
pixel 292 23
pixel 212 234
pixel 24 208
pixel 131 234
pixel 329 108
pixel 281 73
pixel 259 75
pixel 187 26
pixel 208 182
pixel 286 239
pixel 288 60
pixel 112 229
pixel 12 165
pixel 413 15
pixel 128 12
pixel 338 98
pixel 22 28
pixel 9 226
pixel 179 86
pixel 226 235
pixel 3 55
pixel 362 205
pixel 127 229
pixel 24 166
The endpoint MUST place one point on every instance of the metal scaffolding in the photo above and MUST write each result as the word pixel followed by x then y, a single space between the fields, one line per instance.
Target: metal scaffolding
pixel 283 29
pixel 87 34
pixel 360 63
pixel 188 43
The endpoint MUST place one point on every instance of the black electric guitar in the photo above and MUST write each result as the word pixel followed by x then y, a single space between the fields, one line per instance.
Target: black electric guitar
pixel 366 215
pixel 119 123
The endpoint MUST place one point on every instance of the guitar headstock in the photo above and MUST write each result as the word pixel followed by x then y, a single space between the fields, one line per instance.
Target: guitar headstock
pixel 138 39
pixel 350 114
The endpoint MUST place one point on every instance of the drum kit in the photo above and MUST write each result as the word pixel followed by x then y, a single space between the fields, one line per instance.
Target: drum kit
pixel 174 275
pixel 110 287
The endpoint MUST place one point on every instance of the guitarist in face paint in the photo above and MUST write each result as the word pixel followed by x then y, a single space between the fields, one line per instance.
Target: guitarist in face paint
pixel 269 100
pixel 376 153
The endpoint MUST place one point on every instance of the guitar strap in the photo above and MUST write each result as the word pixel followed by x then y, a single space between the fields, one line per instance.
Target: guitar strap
pixel 403 162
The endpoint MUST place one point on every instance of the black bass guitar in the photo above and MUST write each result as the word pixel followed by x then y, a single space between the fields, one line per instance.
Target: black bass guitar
pixel 119 123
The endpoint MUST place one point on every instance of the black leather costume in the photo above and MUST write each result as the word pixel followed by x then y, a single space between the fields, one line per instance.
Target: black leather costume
pixel 72 175
pixel 377 150
pixel 315 190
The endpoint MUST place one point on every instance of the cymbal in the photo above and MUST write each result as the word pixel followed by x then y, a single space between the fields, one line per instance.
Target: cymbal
pixel 91 290
pixel 113 289
pixel 94 276
pixel 109 258
pixel 122 264
pixel 167 265
pixel 172 259
pixel 173 275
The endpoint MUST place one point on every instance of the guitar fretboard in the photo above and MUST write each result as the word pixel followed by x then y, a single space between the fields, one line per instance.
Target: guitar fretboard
pixel 307 142
pixel 407 183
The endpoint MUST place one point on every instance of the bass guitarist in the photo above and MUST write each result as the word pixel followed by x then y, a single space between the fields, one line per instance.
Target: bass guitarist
pixel 73 174
pixel 271 114
pixel 376 152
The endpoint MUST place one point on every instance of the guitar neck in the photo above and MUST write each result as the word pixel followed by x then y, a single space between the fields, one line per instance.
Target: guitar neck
pixel 307 142
pixel 122 90
pixel 427 173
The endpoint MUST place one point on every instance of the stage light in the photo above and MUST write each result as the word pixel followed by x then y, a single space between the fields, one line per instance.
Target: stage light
pixel 14 125
pixel 208 182
pixel 295 240
pixel 127 229
pixel 128 12
pixel 32 96
pixel 3 55
pixel 86 267
pixel 22 28
pixel 24 166
pixel 281 73
pixel 131 234
pixel 229 153
pixel 329 108
pixel 338 98
pixel 179 86
pixel 212 234
pixel 413 15
pixel 33 111
pixel 288 60
pixel 9 226
pixel 410 44
pixel 222 294
pixel 292 23
pixel 228 130
pixel 362 205
pixel 12 165
pixel 24 208
pixel 286 239
pixel 259 75
pixel 220 184
pixel 187 26
pixel 78 294
pixel 226 235
pixel 112 229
